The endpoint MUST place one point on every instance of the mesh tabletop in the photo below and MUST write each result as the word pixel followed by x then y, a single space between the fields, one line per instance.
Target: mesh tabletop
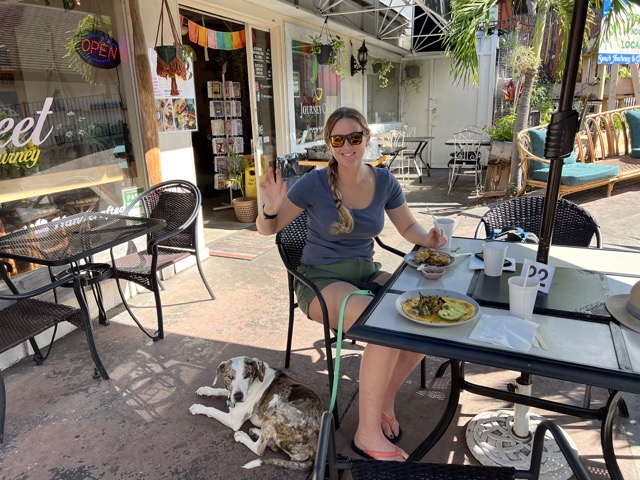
pixel 75 237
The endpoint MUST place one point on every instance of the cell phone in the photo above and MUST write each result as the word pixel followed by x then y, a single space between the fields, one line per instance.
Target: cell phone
pixel 480 256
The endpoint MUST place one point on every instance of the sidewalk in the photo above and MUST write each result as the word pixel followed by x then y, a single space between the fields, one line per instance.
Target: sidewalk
pixel 62 424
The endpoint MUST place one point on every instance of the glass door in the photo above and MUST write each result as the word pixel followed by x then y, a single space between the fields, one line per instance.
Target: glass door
pixel 263 116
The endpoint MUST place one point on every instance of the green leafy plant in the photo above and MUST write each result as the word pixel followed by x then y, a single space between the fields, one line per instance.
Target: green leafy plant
pixel 235 171
pixel 382 67
pixel 502 131
pixel 338 51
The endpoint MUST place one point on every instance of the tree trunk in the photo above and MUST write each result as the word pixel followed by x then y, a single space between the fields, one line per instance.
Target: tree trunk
pixel 522 122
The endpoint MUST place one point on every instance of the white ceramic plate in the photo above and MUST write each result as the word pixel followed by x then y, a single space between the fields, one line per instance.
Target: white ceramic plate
pixel 442 293
pixel 409 258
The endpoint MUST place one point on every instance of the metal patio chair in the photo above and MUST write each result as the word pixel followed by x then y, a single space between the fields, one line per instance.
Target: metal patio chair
pixel 574 226
pixel 466 158
pixel 329 464
pixel 178 203
pixel 28 314
pixel 290 241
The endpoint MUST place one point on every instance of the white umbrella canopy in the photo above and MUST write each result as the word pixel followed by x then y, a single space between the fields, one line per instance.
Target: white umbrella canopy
pixel 564 124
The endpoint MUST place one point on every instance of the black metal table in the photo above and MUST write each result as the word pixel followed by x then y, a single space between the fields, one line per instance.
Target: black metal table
pixel 392 152
pixel 417 154
pixel 71 242
pixel 601 354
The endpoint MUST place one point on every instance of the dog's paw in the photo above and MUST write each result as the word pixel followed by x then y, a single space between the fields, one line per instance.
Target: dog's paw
pixel 197 409
pixel 255 432
pixel 241 437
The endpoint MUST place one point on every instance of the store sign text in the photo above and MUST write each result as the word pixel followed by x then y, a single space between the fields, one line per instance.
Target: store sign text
pixel 99 50
pixel 23 126
pixel 27 157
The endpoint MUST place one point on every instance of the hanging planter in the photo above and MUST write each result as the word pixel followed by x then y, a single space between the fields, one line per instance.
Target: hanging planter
pixel 412 71
pixel 171 58
pixel 324 54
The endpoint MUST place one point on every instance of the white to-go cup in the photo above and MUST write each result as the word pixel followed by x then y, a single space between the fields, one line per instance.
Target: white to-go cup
pixel 522 299
pixel 494 254
pixel 446 225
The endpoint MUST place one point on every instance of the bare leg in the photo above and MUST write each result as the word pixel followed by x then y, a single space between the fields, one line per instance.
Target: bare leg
pixel 377 369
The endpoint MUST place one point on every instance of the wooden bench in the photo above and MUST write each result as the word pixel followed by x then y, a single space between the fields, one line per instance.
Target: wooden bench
pixel 603 146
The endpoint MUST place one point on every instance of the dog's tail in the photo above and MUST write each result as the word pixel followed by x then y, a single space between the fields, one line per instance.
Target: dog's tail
pixel 290 464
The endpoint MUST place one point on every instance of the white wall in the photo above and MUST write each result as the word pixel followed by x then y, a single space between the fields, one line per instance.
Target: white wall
pixel 444 107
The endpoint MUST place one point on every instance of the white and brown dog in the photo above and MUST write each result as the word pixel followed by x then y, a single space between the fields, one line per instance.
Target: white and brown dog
pixel 286 413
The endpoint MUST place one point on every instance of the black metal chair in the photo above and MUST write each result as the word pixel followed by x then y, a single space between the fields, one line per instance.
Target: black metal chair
pixel 328 462
pixel 290 241
pixel 574 226
pixel 178 203
pixel 29 314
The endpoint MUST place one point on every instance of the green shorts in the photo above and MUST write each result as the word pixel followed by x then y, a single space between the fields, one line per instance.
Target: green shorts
pixel 356 271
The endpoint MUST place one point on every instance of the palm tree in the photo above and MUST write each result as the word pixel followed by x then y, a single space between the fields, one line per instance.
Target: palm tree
pixel 470 16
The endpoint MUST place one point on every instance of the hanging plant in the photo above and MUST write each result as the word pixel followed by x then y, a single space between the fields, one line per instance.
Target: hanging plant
pixel 87 25
pixel 171 58
pixel 330 50
pixel 382 67
pixel 412 78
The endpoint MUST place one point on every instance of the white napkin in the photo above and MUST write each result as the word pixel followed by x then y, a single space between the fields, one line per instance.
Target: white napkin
pixel 477 264
pixel 504 330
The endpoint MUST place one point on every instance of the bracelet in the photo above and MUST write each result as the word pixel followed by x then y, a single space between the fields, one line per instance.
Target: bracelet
pixel 267 216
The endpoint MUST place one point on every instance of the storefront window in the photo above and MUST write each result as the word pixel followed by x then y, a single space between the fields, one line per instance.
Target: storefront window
pixel 316 91
pixel 383 104
pixel 64 136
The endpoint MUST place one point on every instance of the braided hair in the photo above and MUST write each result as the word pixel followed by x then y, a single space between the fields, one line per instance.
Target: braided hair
pixel 345 224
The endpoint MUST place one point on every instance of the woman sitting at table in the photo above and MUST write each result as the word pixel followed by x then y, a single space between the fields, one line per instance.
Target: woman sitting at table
pixel 345 205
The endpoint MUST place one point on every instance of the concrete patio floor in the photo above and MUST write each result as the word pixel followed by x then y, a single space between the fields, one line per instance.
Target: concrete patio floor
pixel 63 424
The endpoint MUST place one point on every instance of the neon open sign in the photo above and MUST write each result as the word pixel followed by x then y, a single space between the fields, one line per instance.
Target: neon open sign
pixel 99 50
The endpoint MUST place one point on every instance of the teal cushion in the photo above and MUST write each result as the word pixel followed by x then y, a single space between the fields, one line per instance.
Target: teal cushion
pixel 635 152
pixel 579 173
pixel 538 139
pixel 633 120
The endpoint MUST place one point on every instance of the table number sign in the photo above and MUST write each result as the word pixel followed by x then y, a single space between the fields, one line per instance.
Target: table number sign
pixel 540 272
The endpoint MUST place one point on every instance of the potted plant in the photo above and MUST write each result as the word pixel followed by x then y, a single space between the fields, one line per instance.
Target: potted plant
pixel 499 164
pixel 330 50
pixel 382 67
pixel 412 78
pixel 245 208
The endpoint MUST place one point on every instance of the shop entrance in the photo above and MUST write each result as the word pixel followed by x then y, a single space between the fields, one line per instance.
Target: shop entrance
pixel 235 109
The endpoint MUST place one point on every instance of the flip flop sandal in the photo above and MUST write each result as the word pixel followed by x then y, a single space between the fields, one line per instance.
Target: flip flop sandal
pixel 371 455
pixel 390 422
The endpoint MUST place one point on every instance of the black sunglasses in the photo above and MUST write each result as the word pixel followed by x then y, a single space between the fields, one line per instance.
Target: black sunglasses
pixel 354 138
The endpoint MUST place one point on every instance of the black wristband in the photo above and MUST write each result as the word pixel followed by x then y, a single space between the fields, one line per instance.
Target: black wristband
pixel 266 216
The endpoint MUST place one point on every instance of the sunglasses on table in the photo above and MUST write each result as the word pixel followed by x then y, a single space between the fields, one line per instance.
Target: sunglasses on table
pixel 354 138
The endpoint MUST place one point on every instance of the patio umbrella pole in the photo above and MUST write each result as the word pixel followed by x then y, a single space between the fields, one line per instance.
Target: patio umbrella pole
pixel 562 129
pixel 503 437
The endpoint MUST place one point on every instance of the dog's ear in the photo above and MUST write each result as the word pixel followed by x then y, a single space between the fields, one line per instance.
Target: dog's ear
pixel 220 369
pixel 260 369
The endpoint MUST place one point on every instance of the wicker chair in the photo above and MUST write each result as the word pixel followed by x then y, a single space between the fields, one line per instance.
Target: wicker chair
pixel 328 461
pixel 178 203
pixel 290 241
pixel 573 226
pixel 26 316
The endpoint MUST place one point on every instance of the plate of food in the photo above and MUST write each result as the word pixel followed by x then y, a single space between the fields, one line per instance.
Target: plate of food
pixel 429 256
pixel 437 307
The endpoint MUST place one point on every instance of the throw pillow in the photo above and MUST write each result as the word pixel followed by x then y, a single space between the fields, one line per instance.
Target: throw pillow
pixel 633 120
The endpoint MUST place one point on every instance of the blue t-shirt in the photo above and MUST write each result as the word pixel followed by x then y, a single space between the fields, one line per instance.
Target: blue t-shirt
pixel 312 193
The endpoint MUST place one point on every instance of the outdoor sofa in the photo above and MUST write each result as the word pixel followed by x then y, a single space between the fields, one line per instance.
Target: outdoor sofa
pixel 606 151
